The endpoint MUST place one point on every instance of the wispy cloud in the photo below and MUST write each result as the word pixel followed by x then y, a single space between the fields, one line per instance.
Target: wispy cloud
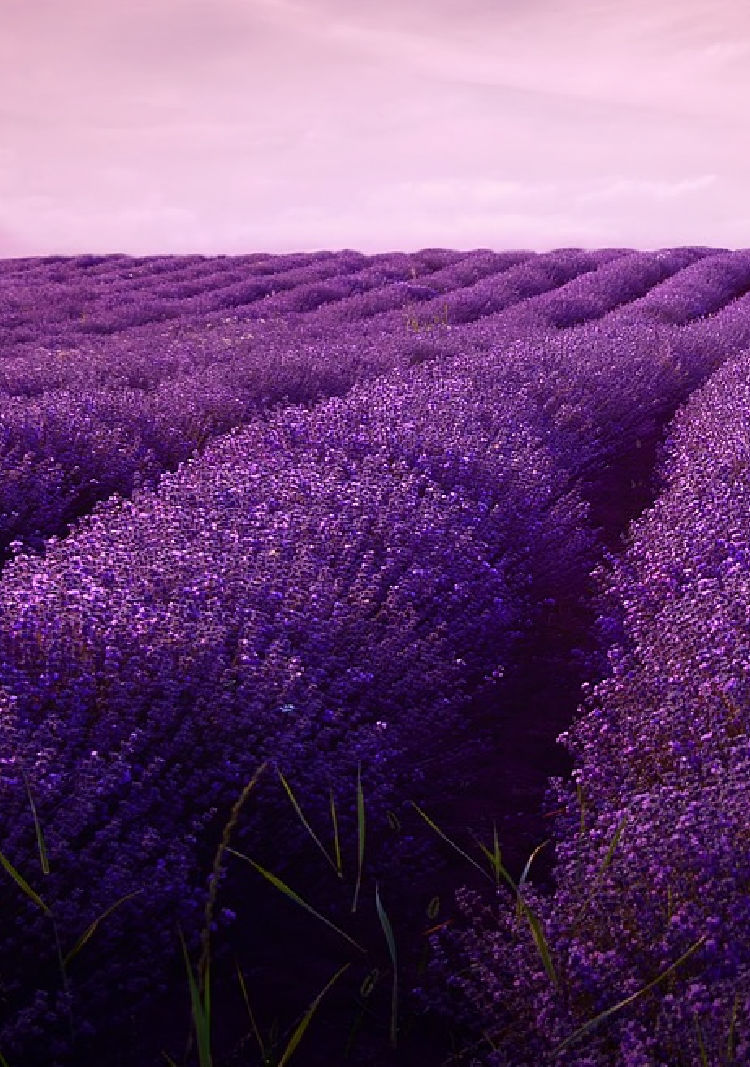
pixel 645 189
pixel 217 121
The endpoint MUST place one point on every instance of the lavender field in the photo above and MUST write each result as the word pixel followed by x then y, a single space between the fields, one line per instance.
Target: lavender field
pixel 307 562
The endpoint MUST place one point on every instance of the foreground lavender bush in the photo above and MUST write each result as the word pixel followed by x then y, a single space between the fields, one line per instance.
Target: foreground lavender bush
pixel 649 868
pixel 302 593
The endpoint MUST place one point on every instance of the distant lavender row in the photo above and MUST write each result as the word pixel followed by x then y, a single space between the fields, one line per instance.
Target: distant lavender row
pixel 88 422
pixel 64 303
pixel 349 286
pixel 615 283
pixel 702 288
pixel 40 311
pixel 122 299
pixel 116 416
pixel 663 759
pixel 325 285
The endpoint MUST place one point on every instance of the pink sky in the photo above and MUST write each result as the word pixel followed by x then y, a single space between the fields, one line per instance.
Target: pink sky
pixel 149 126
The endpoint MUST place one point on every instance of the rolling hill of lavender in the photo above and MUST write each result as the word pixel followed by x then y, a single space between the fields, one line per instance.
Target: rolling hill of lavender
pixel 307 562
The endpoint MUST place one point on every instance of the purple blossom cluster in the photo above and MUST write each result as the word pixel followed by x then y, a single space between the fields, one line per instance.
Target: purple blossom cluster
pixel 702 288
pixel 618 282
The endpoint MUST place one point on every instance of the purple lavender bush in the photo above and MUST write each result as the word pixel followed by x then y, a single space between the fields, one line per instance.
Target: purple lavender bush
pixel 295 595
pixel 647 926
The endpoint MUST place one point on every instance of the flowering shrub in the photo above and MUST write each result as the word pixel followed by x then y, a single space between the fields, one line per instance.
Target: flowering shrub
pixel 284 597
pixel 649 870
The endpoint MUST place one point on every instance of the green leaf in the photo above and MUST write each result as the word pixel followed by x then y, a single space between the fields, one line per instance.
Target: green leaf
pixel 41 846
pixel 732 1024
pixel 600 873
pixel 388 931
pixel 24 885
pixel 494 857
pixel 92 928
pixel 284 888
pixel 245 997
pixel 360 835
pixel 304 821
pixel 445 838
pixel 701 1045
pixel 305 1021
pixel 201 1010
pixel 529 861
pixel 587 1027
pixel 336 842
pixel 537 932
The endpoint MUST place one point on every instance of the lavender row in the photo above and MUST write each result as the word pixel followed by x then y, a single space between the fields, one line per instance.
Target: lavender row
pixel 650 852
pixel 64 304
pixel 485 284
pixel 115 417
pixel 39 312
pixel 335 279
pixel 89 422
pixel 615 283
pixel 300 593
pixel 328 295
pixel 701 289
pixel 391 288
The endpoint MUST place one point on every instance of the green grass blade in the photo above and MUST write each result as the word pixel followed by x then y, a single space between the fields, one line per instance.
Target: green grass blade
pixel 496 864
pixel 303 820
pixel 41 846
pixel 360 836
pixel 587 1027
pixel 388 931
pixel 284 888
pixel 529 861
pixel 201 1010
pixel 600 873
pixel 92 928
pixel 336 841
pixel 701 1045
pixel 305 1021
pixel 732 1024
pixel 445 838
pixel 537 932
pixel 215 876
pixel 3 1061
pixel 24 885
pixel 495 858
pixel 169 1059
pixel 253 1024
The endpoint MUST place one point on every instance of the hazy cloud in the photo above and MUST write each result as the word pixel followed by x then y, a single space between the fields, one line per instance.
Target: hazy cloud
pixel 624 188
pixel 176 124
